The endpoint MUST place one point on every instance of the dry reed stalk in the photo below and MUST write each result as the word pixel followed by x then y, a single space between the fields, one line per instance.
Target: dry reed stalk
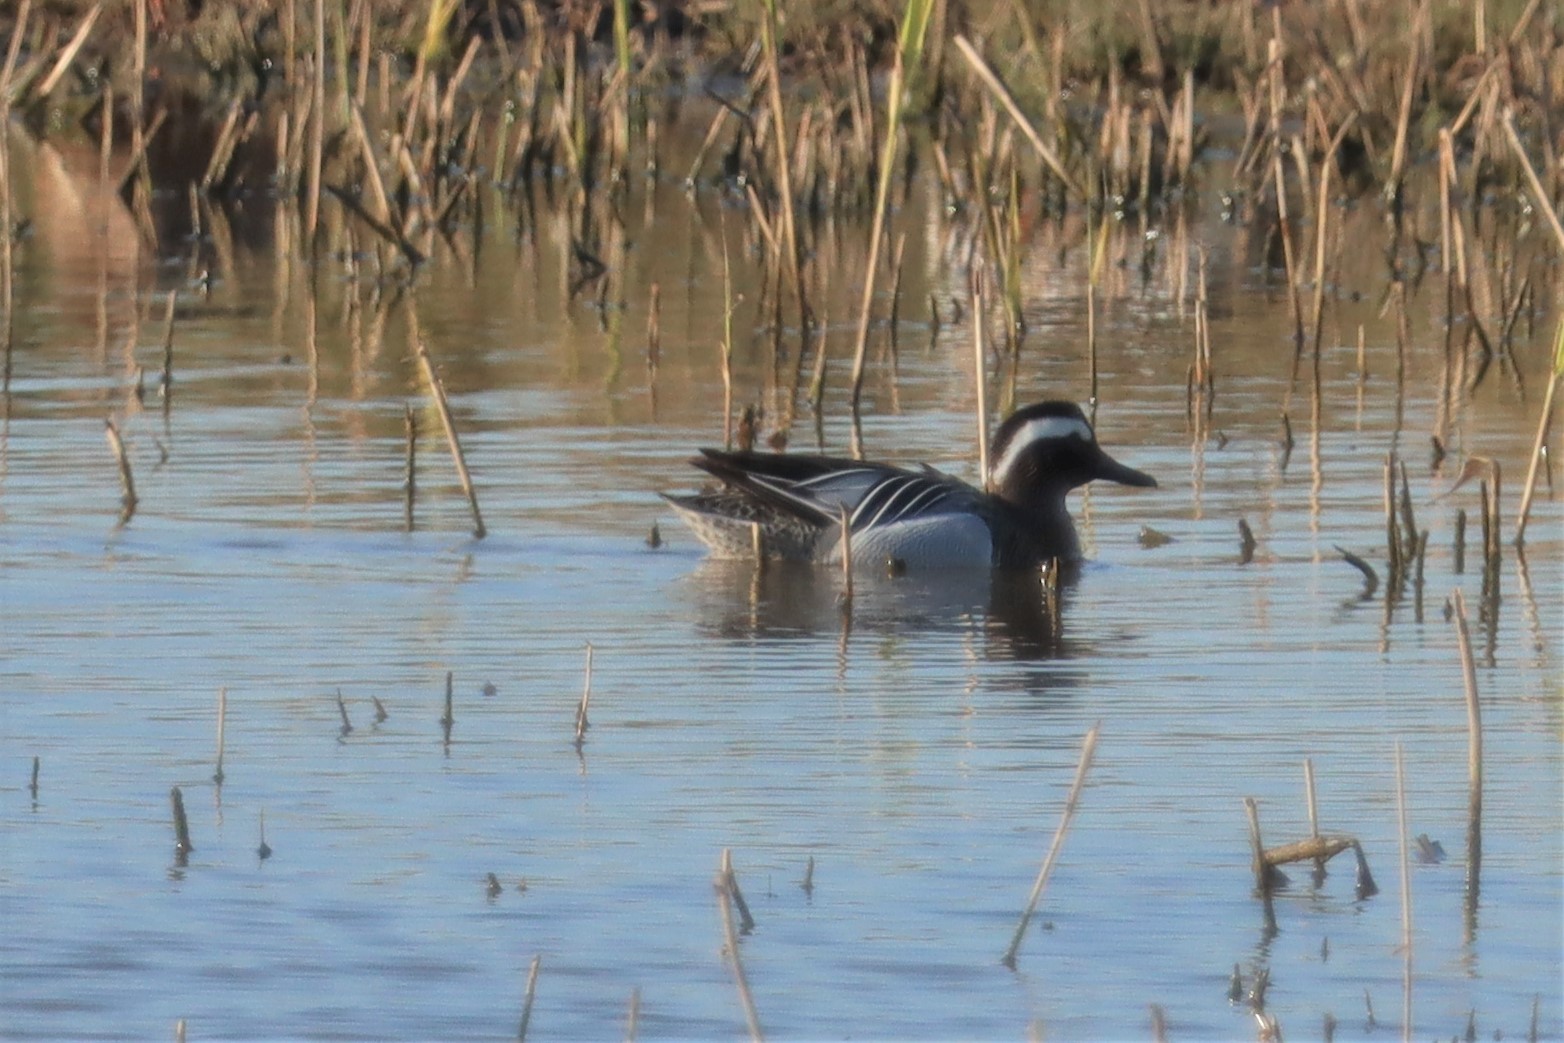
pixel 347 725
pixel 67 56
pixel 32 787
pixel 1088 747
pixel 1392 530
pixel 1322 215
pixel 846 526
pixel 1315 849
pixel 526 1003
pixel 317 129
pixel 908 53
pixel 980 377
pixel 437 393
pixel 182 845
pixel 1540 194
pixel 410 483
pixel 807 884
pixel 582 724
pixel 166 381
pixel 1538 445
pixel 1413 70
pixel 448 718
pixel 633 1019
pixel 726 888
pixel 127 483
pixel 1314 814
pixel 1265 876
pixel 768 30
pixel 1474 749
pixel 1288 260
pixel 725 348
pixel 1406 900
pixel 222 724
pixel 1001 93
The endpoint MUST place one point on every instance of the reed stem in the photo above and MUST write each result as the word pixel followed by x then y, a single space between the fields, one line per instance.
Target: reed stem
pixel 1088 747
pixel 437 393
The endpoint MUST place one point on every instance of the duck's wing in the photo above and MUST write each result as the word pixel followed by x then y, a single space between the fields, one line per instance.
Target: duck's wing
pixel 817 489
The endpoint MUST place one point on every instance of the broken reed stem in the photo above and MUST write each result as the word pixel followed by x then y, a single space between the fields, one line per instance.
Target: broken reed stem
pixel 127 483
pixel 182 844
pixel 526 1003
pixel 437 393
pixel 1535 466
pixel 1088 747
pixel 1315 849
pixel 32 787
pixel 1406 899
pixel 582 724
pixel 222 722
pixel 725 893
pixel 980 375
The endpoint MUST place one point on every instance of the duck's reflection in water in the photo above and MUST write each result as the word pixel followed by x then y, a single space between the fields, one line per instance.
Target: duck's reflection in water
pixel 1015 615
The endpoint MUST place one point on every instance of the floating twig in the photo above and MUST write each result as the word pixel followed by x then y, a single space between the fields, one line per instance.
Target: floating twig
pixel 1088 747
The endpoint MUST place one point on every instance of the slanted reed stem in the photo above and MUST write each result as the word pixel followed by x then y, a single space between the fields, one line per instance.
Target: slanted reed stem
pixel 724 886
pixel 127 483
pixel 437 393
pixel 526 1003
pixel 1088 747
pixel 1541 441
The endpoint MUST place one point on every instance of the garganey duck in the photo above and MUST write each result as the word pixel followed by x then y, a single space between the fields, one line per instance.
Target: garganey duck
pixel 915 518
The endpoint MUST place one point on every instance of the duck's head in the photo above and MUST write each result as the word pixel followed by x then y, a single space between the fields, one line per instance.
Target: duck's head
pixel 1043 451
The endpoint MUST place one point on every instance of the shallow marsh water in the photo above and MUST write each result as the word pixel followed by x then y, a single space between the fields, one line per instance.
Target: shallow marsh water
pixel 921 758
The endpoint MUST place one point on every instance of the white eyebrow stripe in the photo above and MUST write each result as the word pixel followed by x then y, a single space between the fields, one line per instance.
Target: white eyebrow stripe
pixel 1034 431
